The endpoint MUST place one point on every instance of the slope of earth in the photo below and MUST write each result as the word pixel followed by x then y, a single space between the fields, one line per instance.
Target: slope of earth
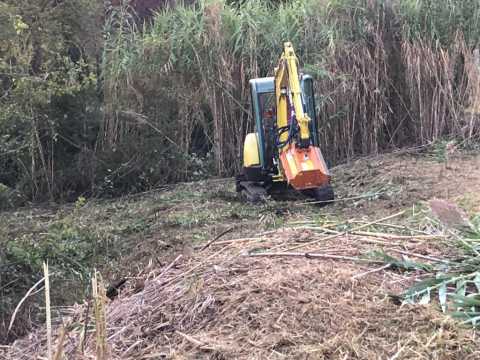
pixel 200 285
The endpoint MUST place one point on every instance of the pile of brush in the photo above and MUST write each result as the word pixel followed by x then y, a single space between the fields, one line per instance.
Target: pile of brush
pixel 307 288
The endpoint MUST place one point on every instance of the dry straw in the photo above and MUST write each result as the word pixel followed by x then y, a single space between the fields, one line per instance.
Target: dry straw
pixel 220 302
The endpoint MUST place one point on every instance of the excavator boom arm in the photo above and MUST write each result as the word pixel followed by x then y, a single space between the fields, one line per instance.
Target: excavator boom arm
pixel 288 90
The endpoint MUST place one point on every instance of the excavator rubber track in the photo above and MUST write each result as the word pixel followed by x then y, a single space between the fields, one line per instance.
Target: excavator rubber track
pixel 251 191
pixel 257 192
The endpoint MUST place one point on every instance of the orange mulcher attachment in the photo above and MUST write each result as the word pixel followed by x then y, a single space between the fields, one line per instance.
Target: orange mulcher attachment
pixel 304 168
pixel 302 163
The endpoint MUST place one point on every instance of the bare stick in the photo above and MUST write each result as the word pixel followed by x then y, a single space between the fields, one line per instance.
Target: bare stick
pixel 394 226
pixel 216 238
pixel 234 241
pixel 22 301
pixel 48 312
pixel 316 228
pixel 375 241
pixel 98 295
pixel 371 272
pixel 315 256
pixel 341 199
pixel 346 232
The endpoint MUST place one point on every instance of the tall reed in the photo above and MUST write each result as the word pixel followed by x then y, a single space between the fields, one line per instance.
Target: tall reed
pixel 382 83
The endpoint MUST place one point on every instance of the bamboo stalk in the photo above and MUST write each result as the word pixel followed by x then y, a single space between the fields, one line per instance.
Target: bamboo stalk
pixel 371 271
pixel 216 238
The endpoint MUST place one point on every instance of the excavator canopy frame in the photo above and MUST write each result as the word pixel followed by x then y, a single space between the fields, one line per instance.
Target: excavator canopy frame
pixel 262 87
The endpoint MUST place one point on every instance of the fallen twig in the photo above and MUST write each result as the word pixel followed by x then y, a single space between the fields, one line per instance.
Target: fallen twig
pixel 85 325
pixel 314 256
pixel 393 226
pixel 371 272
pixel 234 241
pixel 375 241
pixel 164 271
pixel 216 238
pixel 200 344
pixel 359 197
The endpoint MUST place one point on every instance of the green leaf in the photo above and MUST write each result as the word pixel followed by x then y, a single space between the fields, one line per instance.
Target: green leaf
pixel 402 264
pixel 472 320
pixel 424 285
pixel 466 302
pixel 461 288
pixel 476 281
pixel 442 296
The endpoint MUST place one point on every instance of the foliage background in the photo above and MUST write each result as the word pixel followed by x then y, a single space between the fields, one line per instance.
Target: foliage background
pixel 98 99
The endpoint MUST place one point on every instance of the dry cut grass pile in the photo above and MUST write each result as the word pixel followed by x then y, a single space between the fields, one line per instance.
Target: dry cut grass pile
pixel 223 303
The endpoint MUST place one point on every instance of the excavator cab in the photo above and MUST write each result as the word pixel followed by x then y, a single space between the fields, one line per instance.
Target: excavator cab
pixel 284 152
pixel 264 112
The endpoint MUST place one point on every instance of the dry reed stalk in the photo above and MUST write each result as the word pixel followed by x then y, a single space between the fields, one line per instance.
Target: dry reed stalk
pixel 99 296
pixel 358 276
pixel 19 305
pixel 399 237
pixel 83 335
pixel 48 311
pixel 59 351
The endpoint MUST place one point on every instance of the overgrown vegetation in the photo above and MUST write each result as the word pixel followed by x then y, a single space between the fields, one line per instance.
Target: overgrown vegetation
pixel 97 101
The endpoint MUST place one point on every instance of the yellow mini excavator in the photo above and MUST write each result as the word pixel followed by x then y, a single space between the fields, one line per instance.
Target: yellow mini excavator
pixel 283 152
